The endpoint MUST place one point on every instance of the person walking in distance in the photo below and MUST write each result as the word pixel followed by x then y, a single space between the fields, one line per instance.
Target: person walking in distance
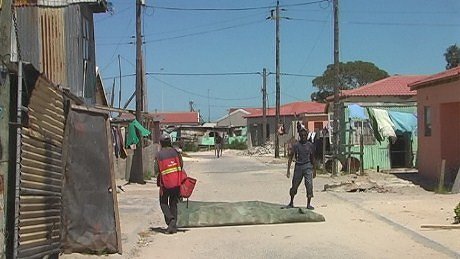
pixel 218 145
pixel 168 168
pixel 303 152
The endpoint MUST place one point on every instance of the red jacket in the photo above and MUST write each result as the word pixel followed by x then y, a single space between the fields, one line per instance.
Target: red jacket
pixel 170 168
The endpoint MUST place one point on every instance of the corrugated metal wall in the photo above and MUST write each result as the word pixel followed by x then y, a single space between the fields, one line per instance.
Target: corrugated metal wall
pixel 40 185
pixel 379 153
pixel 29 35
pixel 81 83
pixel 53 51
pixel 51 39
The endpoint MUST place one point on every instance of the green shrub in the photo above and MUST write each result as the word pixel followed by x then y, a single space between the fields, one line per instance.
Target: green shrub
pixel 148 176
pixel 457 214
pixel 190 147
pixel 239 145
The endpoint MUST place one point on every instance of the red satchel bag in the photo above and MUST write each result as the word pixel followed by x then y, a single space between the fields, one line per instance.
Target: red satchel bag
pixel 187 186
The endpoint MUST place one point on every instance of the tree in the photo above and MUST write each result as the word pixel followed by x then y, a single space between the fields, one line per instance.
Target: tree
pixel 352 74
pixel 452 56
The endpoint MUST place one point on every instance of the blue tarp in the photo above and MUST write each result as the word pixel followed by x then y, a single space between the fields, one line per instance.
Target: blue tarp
pixel 404 121
pixel 356 112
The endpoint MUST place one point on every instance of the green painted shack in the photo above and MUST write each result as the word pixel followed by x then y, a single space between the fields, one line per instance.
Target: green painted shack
pixel 392 95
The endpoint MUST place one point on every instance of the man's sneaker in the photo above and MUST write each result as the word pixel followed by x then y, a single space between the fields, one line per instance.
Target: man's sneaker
pixel 309 207
pixel 172 227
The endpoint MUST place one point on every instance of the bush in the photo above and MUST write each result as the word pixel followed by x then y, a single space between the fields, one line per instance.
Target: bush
pixel 457 214
pixel 239 145
pixel 190 147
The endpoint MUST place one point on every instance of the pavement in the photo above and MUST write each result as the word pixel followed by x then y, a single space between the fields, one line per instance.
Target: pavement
pixel 369 224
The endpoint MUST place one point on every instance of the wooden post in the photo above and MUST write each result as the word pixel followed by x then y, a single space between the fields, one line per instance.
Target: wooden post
pixel 349 146
pixel 456 186
pixel 324 151
pixel 441 176
pixel 361 154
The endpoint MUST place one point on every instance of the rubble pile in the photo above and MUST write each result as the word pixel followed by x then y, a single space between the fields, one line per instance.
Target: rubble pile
pixel 268 149
pixel 355 186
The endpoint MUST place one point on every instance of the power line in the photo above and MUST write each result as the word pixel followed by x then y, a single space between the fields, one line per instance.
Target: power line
pixel 205 74
pixel 206 32
pixel 203 96
pixel 300 75
pixel 187 35
pixel 233 9
pixel 382 23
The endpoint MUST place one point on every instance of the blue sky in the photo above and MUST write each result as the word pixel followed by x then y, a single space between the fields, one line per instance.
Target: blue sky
pixel 399 36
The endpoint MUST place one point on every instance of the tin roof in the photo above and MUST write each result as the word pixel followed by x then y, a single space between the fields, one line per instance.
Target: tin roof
pixel 176 118
pixel 101 5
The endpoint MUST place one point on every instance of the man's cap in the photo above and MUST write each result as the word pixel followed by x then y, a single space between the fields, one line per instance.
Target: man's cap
pixel 165 137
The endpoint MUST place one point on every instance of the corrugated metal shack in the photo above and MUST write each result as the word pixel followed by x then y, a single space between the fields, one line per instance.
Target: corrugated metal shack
pixel 55 39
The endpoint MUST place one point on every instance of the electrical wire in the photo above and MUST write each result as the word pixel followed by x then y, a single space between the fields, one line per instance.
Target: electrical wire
pixel 206 32
pixel 200 95
pixel 234 9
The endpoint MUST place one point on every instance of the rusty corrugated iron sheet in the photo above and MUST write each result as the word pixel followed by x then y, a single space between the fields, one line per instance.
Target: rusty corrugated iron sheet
pixel 97 5
pixel 40 185
pixel 53 51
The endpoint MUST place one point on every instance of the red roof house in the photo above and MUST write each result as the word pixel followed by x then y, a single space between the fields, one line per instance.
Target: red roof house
pixel 438 119
pixel 169 118
pixel 397 85
pixel 392 94
pixel 311 114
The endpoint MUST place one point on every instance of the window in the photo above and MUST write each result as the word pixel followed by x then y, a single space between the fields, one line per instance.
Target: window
pixel 365 128
pixel 427 120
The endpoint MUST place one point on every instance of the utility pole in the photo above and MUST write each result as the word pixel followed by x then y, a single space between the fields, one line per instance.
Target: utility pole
pixel 264 105
pixel 209 109
pixel 335 126
pixel 7 195
pixel 119 92
pixel 137 168
pixel 277 109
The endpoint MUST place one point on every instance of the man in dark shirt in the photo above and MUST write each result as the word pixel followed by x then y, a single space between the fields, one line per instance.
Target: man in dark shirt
pixel 303 152
pixel 218 145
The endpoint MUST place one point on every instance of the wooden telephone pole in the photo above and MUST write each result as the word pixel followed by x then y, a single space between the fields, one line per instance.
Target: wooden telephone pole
pixel 264 105
pixel 277 109
pixel 335 125
pixel 137 168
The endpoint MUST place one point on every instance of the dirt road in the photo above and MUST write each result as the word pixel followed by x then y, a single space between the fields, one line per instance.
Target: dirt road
pixel 358 225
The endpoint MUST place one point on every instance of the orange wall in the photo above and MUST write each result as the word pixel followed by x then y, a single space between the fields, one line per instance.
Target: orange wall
pixel 431 148
pixel 450 135
pixel 310 121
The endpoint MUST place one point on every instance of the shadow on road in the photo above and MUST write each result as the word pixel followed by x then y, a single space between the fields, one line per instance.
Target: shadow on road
pixel 416 179
pixel 163 230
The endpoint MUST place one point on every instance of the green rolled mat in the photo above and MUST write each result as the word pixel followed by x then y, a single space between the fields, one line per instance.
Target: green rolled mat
pixel 209 214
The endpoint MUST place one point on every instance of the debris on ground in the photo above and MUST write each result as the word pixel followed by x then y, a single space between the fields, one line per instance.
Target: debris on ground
pixel 352 186
pixel 268 149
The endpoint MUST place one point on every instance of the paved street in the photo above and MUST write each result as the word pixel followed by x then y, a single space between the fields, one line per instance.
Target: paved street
pixel 358 225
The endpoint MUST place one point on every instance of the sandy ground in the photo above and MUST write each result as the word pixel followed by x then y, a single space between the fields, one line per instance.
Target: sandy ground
pixel 358 225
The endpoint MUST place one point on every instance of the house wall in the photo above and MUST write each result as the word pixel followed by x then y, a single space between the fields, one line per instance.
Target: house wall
pixel 234 120
pixel 312 120
pixel 81 75
pixel 254 125
pixel 376 155
pixel 29 35
pixel 255 129
pixel 443 142
pixel 51 40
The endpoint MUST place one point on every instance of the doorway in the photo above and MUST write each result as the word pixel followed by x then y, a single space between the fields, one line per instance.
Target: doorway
pixel 401 151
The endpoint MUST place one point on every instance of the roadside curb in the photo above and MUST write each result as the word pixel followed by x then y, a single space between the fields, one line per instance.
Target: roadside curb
pixel 416 236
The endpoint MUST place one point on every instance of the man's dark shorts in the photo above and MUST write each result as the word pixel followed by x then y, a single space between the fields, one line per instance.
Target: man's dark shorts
pixel 303 171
